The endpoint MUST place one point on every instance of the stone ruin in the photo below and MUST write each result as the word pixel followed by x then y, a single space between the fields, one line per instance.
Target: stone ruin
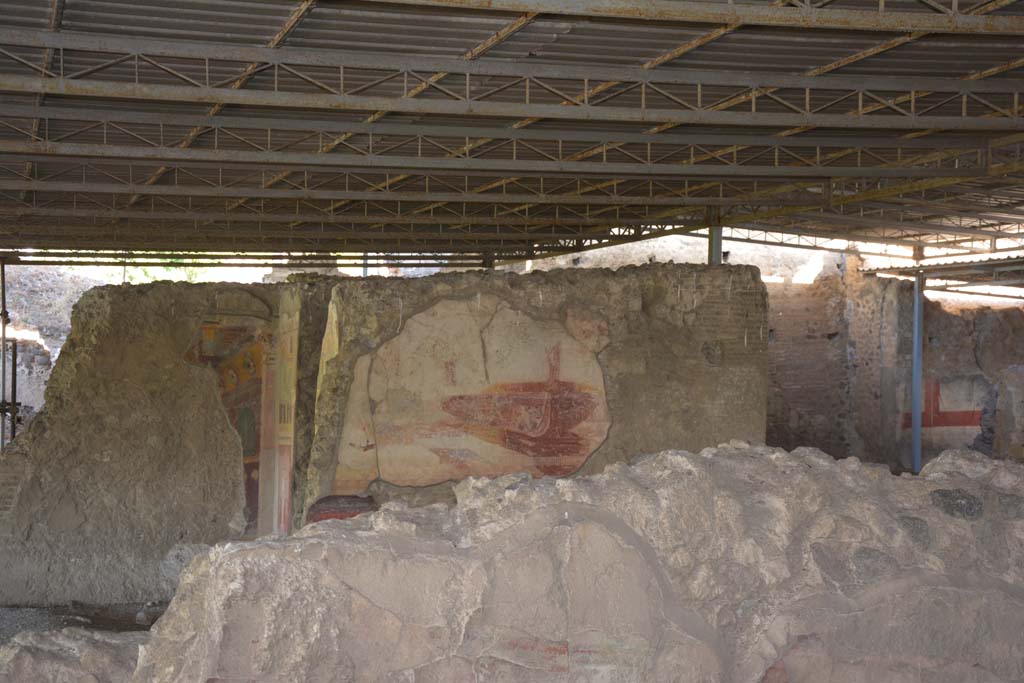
pixel 737 564
pixel 187 416
pixel 181 415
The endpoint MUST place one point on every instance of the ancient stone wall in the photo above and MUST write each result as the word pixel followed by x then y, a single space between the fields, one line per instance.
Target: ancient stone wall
pixel 430 380
pixel 840 359
pixel 40 299
pixel 972 356
pixel 839 355
pixel 180 415
pixel 33 368
pixel 808 395
pixel 134 452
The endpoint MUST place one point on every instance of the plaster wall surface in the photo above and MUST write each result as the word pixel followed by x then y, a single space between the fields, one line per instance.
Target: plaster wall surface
pixel 133 453
pixel 429 380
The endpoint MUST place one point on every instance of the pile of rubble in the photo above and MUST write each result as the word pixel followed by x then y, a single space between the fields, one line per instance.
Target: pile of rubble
pixel 738 564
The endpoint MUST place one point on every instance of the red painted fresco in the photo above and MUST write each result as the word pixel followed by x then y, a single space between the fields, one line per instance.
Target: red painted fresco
pixel 932 414
pixel 532 418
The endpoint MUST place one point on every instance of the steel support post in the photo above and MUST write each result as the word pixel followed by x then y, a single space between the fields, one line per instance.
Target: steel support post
pixel 13 407
pixel 713 218
pixel 4 317
pixel 916 373
pixel 715 246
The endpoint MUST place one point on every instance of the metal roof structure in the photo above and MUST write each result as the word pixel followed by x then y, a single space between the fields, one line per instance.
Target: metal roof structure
pixel 965 276
pixel 465 132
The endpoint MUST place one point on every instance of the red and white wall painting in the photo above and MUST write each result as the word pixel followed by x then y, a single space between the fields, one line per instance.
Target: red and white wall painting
pixel 950 412
pixel 471 388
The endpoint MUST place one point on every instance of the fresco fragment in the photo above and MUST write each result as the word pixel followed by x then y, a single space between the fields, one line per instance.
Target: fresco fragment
pixel 471 388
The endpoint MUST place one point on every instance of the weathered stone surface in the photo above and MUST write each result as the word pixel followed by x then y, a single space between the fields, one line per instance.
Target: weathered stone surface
pixel 957 503
pixel 1008 427
pixel 72 655
pixel 340 507
pixel 429 380
pixel 737 564
pixel 133 453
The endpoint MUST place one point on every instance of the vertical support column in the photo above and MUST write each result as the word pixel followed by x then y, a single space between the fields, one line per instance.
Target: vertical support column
pixel 284 392
pixel 267 514
pixel 280 397
pixel 713 218
pixel 916 374
pixel 13 406
pixel 4 319
pixel 715 246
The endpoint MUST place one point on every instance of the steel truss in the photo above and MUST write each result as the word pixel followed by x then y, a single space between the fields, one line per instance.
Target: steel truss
pixel 322 183
pixel 945 16
pixel 145 69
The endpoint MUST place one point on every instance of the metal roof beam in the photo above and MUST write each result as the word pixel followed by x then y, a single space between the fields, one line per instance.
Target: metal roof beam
pixel 986 212
pixel 245 232
pixel 382 196
pixel 474 53
pixel 412 247
pixel 916 226
pixel 826 234
pixel 388 63
pixel 489 108
pixel 245 158
pixel 984 7
pixel 302 9
pixel 789 16
pixel 840 200
pixel 329 127
pixel 56 19
pixel 286 217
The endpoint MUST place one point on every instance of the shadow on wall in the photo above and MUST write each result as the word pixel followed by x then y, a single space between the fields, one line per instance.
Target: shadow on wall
pixel 839 357
pixel 808 387
pixel 237 354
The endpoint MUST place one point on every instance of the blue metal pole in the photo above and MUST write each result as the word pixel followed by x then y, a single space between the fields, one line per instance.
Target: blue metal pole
pixel 916 374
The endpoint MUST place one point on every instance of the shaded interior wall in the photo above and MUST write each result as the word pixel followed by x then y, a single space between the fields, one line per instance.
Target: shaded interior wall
pixel 840 381
pixel 133 454
pixel 836 356
pixel 809 392
pixel 238 354
pixel 34 365
pixel 878 315
pixel 433 379
pixel 308 298
pixel 973 360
